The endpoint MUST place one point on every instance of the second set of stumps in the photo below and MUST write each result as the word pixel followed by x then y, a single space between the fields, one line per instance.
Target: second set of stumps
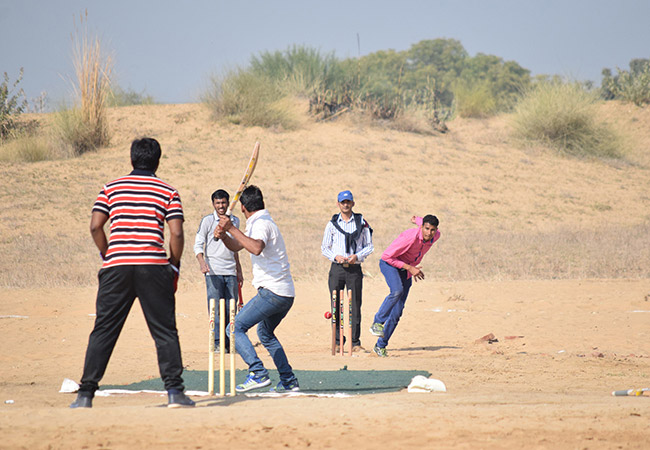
pixel 339 301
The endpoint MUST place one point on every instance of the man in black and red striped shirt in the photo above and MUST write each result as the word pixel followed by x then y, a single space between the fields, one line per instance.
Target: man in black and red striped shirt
pixel 136 265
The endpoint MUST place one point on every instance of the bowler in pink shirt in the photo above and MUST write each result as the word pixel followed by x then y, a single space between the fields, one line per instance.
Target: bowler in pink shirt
pixel 400 265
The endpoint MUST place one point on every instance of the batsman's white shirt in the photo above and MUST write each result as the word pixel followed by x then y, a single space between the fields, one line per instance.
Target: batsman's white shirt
pixel 271 267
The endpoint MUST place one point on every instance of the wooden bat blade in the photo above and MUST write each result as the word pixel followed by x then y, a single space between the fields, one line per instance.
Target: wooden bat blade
pixel 247 176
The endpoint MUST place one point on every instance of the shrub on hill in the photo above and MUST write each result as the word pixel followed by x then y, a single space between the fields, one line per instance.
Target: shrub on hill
pixel 26 148
pixel 299 70
pixel 473 99
pixel 84 127
pixel 246 98
pixel 117 96
pixel 11 105
pixel 564 117
pixel 261 95
pixel 485 83
pixel 385 85
pixel 632 86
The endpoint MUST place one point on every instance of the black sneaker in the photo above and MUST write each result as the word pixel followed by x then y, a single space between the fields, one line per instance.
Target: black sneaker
pixel 178 399
pixel 82 401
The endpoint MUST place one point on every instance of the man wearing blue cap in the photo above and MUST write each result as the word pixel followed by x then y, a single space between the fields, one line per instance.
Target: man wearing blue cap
pixel 347 242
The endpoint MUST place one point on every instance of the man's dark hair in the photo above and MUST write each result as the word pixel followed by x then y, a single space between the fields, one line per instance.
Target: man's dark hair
pixel 430 219
pixel 220 193
pixel 145 154
pixel 252 199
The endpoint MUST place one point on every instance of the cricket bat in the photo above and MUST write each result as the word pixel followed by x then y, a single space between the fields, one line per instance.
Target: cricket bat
pixel 247 177
pixel 632 392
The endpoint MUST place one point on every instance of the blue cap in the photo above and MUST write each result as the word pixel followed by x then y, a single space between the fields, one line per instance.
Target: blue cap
pixel 345 195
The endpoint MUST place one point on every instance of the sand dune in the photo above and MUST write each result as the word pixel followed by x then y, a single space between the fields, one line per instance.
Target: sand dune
pixel 526 238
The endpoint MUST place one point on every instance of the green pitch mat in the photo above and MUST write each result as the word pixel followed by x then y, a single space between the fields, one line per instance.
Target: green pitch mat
pixel 311 381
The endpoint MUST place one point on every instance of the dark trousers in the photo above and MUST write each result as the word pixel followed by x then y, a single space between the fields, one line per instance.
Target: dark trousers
pixel 118 288
pixel 352 277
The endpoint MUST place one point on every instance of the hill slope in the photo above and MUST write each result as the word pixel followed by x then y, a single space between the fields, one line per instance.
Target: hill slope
pixel 505 212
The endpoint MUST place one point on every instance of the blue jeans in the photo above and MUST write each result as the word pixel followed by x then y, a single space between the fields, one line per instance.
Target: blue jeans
pixel 391 309
pixel 266 310
pixel 221 286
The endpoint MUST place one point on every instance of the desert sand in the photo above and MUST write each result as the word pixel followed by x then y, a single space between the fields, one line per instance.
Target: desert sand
pixel 565 339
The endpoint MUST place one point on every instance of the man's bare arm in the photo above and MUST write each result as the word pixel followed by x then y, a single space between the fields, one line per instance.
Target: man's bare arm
pixel 176 241
pixel 97 221
pixel 238 240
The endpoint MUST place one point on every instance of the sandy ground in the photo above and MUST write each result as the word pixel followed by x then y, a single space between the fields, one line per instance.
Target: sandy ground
pixel 550 387
pixel 506 213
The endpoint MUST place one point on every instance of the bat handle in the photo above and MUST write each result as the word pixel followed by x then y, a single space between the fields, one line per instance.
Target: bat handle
pixel 228 213
pixel 629 392
pixel 622 393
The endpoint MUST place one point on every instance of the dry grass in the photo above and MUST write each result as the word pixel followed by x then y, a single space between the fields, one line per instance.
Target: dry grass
pixel 80 128
pixel 564 253
pixel 85 127
pixel 26 148
pixel 246 98
pixel 565 117
pixel 505 213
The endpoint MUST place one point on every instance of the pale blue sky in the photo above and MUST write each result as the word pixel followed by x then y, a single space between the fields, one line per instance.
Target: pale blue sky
pixel 169 48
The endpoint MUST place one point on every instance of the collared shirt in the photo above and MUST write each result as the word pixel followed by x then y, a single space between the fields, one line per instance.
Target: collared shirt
pixel 334 241
pixel 137 205
pixel 219 258
pixel 271 266
pixel 409 248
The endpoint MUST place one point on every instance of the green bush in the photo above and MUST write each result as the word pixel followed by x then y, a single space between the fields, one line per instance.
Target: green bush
pixel 384 85
pixel 564 117
pixel 298 70
pixel 76 135
pixel 245 98
pixel 473 99
pixel 631 86
pixel 11 105
pixel 120 97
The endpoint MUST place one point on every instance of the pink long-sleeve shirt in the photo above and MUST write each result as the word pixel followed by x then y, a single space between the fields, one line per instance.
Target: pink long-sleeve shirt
pixel 408 248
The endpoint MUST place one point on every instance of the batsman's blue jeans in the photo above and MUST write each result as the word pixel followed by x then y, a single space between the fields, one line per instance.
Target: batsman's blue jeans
pixel 391 309
pixel 221 286
pixel 266 310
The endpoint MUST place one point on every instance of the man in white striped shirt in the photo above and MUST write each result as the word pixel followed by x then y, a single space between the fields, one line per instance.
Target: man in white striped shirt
pixel 347 242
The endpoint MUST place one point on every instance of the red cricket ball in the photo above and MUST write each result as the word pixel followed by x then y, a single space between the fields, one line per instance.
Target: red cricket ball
pixel 328 315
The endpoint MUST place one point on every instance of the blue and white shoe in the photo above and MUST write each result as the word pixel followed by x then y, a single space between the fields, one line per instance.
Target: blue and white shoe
pixel 253 382
pixel 291 387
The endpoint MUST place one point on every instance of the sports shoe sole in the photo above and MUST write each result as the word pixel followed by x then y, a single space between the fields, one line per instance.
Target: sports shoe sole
pixel 374 333
pixel 178 405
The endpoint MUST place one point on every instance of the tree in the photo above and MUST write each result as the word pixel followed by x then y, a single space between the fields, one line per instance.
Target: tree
pixel 11 105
